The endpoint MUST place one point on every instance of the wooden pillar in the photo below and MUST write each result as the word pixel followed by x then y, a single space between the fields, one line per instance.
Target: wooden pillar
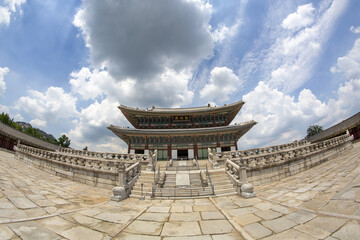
pixel 195 147
pixel 169 147
pixel 146 143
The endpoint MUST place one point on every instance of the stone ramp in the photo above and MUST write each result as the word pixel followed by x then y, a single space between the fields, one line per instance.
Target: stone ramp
pixel 220 180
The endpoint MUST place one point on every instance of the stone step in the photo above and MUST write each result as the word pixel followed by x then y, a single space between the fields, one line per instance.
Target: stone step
pixel 226 190
pixel 225 186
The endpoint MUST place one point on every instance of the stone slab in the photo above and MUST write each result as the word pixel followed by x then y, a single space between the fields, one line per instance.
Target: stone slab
pixel 22 202
pixel 145 227
pixel 82 233
pixel 279 224
pixel 182 180
pixel 214 215
pixel 291 234
pixel 350 231
pixel 157 217
pixel 256 230
pixel 5 232
pixel 300 217
pixel 185 217
pixel 113 217
pixel 32 230
pixel 202 237
pixel 247 219
pixel 268 214
pixel 158 209
pixel 180 229
pixel 130 236
pixel 216 227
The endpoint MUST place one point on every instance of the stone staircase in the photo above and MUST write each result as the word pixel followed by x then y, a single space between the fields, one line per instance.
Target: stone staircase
pixel 220 180
pixel 147 179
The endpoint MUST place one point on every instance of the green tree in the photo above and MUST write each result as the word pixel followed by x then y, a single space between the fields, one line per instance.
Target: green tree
pixel 313 130
pixel 64 141
pixel 5 118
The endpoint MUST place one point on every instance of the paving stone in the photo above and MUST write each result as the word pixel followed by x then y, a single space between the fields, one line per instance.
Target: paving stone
pixel 178 229
pixel 290 234
pixel 246 219
pixel 279 224
pixel 113 217
pixel 157 217
pixel 268 214
pixel 90 212
pixel 32 230
pixel 313 231
pixel 177 208
pixel 242 211
pixel 215 227
pixel 228 236
pixel 4 203
pixel 350 231
pixel 300 217
pixel 56 224
pixel 256 230
pixel 144 227
pixel 85 220
pixel 6 233
pixel 263 205
pixel 80 233
pixel 332 223
pixel 185 217
pixel 158 209
pixel 212 215
pixel 108 227
pixel 22 202
pixel 202 237
pixel 130 236
pixel 204 208
pixel 12 213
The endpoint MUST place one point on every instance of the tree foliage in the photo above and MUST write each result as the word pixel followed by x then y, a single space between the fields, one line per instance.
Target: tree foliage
pixel 313 130
pixel 5 118
pixel 64 141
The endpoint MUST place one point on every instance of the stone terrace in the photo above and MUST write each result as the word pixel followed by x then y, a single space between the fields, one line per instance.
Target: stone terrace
pixel 320 203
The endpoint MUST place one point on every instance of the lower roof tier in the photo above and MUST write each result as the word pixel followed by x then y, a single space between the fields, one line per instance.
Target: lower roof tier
pixel 126 133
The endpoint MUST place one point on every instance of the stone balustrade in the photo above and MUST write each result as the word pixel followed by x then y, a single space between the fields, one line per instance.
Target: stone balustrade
pixel 98 169
pixel 264 165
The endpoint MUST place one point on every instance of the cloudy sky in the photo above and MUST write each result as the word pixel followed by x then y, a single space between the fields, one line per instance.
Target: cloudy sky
pixel 65 66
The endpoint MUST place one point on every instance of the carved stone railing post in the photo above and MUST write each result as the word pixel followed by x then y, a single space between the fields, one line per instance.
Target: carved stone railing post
pixel 119 192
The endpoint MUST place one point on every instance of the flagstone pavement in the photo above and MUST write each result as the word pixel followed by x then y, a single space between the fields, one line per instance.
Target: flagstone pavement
pixel 320 203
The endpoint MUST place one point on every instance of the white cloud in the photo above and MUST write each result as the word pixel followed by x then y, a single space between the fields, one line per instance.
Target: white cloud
pixel 301 18
pixel 52 105
pixel 224 32
pixel 90 129
pixel 295 55
pixel 14 4
pixel 3 72
pixel 4 16
pixel 282 119
pixel 223 83
pixel 355 29
pixel 350 63
pixel 10 6
pixel 38 123
pixel 169 89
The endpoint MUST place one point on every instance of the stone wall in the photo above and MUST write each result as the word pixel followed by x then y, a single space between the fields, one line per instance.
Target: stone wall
pixel 270 164
pixel 93 168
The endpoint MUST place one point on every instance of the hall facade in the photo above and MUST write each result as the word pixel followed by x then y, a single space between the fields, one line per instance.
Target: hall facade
pixel 182 133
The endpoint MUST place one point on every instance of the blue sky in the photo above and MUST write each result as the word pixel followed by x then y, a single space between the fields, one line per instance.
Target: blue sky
pixel 66 66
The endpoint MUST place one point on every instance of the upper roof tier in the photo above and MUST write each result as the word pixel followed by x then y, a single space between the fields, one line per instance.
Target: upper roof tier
pixel 182 117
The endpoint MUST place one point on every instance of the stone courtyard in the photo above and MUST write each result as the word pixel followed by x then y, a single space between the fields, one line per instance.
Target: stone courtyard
pixel 320 203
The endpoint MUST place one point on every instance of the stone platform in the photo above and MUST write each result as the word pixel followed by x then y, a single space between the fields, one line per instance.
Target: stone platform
pixel 320 203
